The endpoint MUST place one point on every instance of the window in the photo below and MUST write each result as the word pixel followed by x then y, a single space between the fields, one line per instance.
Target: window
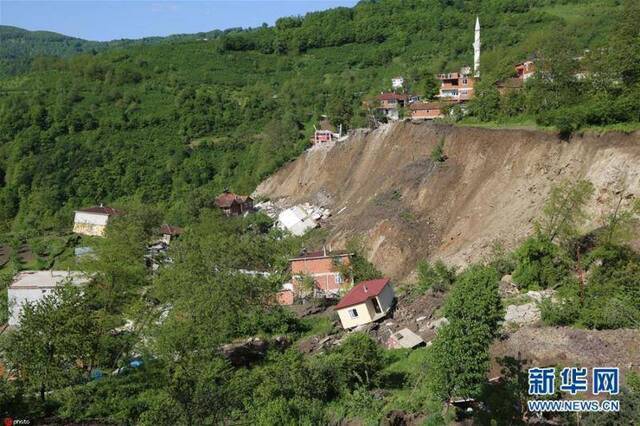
pixel 353 313
pixel 338 278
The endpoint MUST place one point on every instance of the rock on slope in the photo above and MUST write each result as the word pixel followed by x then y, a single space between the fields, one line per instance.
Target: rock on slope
pixel 383 185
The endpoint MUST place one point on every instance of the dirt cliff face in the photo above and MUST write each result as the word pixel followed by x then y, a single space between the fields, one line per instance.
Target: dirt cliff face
pixel 384 186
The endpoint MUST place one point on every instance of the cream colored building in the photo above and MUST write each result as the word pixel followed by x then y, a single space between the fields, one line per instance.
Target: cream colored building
pixel 93 220
pixel 366 302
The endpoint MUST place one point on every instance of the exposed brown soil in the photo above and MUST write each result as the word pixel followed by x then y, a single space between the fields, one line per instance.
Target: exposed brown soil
pixel 565 346
pixel 382 185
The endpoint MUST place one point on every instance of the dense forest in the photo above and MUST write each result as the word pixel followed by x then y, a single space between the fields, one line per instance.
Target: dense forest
pixel 178 121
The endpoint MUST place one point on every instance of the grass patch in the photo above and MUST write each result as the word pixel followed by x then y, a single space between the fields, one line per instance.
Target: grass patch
pixel 317 326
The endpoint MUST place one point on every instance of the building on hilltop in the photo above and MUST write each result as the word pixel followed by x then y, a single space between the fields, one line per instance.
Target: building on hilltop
pixel 233 204
pixel 325 132
pixel 93 220
pixel 456 86
pixel 389 103
pixel 459 86
pixel 367 302
pixel 33 286
pixel 428 110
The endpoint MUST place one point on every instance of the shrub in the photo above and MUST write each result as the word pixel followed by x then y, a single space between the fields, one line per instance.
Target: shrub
pixel 539 264
pixel 437 154
pixel 559 313
pixel 437 277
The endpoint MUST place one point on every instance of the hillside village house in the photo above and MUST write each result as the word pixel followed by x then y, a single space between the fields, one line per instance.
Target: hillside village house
pixel 93 220
pixel 525 70
pixel 324 268
pixel 427 110
pixel 233 204
pixel 366 302
pixel 456 86
pixel 325 132
pixel 33 286
pixel 389 104
pixel 459 86
pixel 168 232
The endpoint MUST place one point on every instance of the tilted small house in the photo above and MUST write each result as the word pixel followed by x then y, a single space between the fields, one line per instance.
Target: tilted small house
pixel 93 220
pixel 366 302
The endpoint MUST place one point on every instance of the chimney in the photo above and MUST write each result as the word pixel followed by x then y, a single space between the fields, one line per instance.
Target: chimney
pixel 324 250
pixel 364 287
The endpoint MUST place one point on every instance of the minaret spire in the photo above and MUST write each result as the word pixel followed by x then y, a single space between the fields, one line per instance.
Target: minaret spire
pixel 476 50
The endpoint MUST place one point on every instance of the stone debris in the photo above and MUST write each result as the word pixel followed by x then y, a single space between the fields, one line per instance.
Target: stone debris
pixel 404 338
pixel 508 287
pixel 435 324
pixel 528 313
pixel 297 219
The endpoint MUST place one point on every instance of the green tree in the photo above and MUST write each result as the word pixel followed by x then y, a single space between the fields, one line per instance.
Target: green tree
pixel 540 264
pixel 459 357
pixel 437 277
pixel 360 268
pixel 57 341
pixel 565 210
pixel 474 298
pixel 437 153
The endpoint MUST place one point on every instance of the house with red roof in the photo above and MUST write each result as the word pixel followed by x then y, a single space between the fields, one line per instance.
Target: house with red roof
pixel 367 302
pixel 93 220
pixel 389 104
pixel 233 204
pixel 170 231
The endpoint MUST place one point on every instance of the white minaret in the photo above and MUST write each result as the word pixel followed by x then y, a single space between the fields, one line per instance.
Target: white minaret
pixel 476 50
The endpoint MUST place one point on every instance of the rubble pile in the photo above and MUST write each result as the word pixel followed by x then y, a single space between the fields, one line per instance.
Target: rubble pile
pixel 297 219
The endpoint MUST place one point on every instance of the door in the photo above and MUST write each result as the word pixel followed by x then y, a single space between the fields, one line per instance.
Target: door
pixel 376 306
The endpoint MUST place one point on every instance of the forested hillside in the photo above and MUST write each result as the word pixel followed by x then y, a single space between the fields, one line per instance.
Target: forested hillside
pixel 181 120
pixel 20 47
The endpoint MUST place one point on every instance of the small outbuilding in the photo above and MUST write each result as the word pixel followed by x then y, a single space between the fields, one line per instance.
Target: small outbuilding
pixel 93 220
pixel 367 302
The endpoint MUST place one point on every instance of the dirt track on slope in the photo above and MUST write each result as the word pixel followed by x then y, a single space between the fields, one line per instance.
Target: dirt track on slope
pixel 383 185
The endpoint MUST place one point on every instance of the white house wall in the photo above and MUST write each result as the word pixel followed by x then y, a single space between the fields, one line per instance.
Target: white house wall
pixel 90 223
pixel 364 315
